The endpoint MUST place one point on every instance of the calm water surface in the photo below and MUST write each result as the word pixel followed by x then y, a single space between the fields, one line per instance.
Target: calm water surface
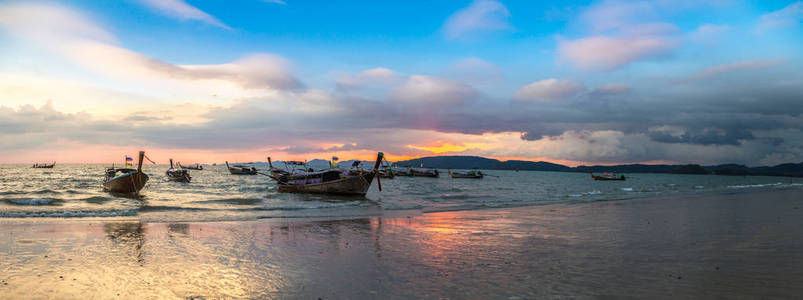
pixel 70 191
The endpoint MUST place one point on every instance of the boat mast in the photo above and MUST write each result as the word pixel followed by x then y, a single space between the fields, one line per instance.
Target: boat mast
pixel 139 165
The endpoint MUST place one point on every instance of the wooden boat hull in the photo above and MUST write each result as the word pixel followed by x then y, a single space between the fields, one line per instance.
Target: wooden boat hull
pixel 601 178
pixel 466 176
pixel 178 176
pixel 127 183
pixel 242 172
pixel 426 175
pixel 356 185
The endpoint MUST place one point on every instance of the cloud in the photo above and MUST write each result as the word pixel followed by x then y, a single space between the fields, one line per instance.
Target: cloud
pixel 611 89
pixel 709 32
pixel 432 92
pixel 183 11
pixel 80 40
pixel 481 17
pixel 607 53
pixel 788 16
pixel 475 71
pixel 281 2
pixel 548 90
pixel 621 32
pixel 351 82
pixel 50 23
pixel 732 67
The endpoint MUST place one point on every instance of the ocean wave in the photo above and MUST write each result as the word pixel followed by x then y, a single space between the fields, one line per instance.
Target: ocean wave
pixel 157 208
pixel 747 186
pixel 67 214
pixel 32 201
pixel 97 199
pixel 237 201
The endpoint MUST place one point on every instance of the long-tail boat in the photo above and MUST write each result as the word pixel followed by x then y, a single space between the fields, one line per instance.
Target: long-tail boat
pixel 386 172
pixel 241 169
pixel 179 174
pixel 466 174
pixel 423 172
pixel 44 166
pixel 191 167
pixel 607 177
pixel 130 181
pixel 331 181
pixel 408 172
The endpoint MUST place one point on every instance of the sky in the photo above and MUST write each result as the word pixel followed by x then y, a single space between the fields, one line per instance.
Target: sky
pixel 571 82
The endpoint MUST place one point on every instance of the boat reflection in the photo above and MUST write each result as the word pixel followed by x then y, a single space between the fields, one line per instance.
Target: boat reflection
pixel 130 235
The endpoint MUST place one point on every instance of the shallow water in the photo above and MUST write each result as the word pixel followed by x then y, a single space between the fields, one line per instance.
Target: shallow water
pixel 70 191
pixel 722 246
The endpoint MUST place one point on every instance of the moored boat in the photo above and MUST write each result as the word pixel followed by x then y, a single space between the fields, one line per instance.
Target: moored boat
pixel 130 181
pixel 241 169
pixel 466 174
pixel 331 181
pixel 423 172
pixel 44 166
pixel 385 171
pixel 191 167
pixel 403 172
pixel 177 174
pixel 607 176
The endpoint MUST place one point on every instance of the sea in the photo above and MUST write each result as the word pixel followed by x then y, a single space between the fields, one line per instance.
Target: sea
pixel 75 191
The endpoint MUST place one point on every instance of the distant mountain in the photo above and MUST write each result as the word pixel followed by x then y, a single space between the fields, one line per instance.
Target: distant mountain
pixel 476 162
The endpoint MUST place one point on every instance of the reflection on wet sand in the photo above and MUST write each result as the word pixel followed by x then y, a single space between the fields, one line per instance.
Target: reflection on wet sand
pixel 129 235
pixel 731 246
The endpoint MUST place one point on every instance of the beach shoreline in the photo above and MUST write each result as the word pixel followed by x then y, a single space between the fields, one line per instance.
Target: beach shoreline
pixel 746 244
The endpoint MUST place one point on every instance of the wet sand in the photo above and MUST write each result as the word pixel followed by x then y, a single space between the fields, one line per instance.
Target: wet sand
pixel 746 245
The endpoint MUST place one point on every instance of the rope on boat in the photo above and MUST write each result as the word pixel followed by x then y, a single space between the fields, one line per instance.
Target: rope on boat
pixel 134 185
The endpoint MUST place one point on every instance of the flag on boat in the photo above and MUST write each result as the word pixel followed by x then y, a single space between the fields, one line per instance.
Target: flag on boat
pixel 128 161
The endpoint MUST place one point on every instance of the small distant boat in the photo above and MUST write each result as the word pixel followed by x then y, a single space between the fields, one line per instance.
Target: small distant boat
pixel 191 167
pixel 131 181
pixel 466 174
pixel 331 181
pixel 179 174
pixel 241 169
pixel 422 172
pixel 408 172
pixel 385 171
pixel 44 166
pixel 607 176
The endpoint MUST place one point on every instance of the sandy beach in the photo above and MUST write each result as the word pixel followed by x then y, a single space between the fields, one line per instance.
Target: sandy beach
pixel 737 245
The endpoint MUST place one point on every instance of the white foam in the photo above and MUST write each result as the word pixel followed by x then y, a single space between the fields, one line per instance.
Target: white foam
pixel 747 186
pixel 30 201
pixel 628 189
pixel 68 214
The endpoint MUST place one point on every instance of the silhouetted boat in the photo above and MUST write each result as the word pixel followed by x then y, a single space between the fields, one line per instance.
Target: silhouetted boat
pixel 422 172
pixel 191 167
pixel 44 166
pixel 130 181
pixel 241 169
pixel 607 176
pixel 332 181
pixel 402 172
pixel 466 174
pixel 385 171
pixel 177 174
